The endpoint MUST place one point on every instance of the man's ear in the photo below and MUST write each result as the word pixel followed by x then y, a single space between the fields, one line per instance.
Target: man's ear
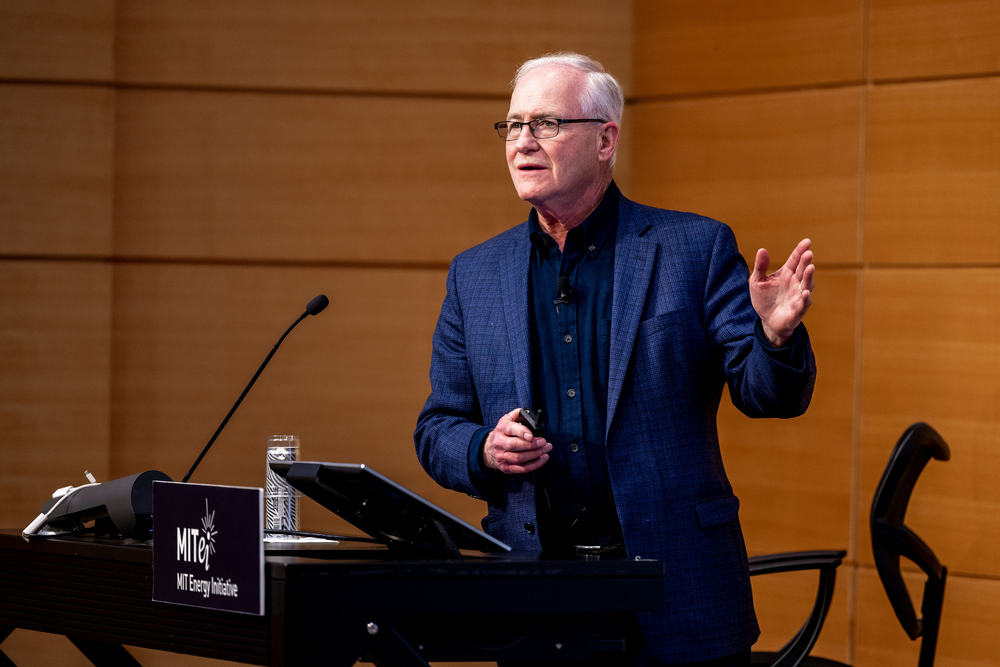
pixel 608 141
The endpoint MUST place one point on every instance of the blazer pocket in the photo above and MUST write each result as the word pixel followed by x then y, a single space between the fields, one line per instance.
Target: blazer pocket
pixel 660 322
pixel 717 511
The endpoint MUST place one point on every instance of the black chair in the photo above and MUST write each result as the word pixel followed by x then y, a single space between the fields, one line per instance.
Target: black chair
pixel 891 539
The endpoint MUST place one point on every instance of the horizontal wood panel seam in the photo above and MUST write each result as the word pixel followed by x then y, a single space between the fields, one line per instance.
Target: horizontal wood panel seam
pixel 768 90
pixel 929 265
pixel 740 92
pixel 224 261
pixel 419 266
pixel 80 83
pixel 887 81
pixel 429 95
pixel 266 90
pixel 907 568
pixel 363 92
pixel 913 569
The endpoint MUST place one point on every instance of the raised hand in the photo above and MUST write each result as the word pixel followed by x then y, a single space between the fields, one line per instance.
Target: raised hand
pixel 782 298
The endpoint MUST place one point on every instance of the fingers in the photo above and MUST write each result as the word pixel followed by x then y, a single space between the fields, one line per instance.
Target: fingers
pixel 510 427
pixel 512 449
pixel 793 260
pixel 808 280
pixel 801 249
pixel 516 461
pixel 513 466
pixel 799 266
pixel 760 264
pixel 805 273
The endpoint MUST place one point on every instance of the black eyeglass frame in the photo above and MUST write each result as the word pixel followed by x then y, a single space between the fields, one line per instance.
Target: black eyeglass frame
pixel 531 127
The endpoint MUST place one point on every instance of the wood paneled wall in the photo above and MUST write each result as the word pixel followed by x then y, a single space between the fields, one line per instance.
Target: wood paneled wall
pixel 872 127
pixel 177 179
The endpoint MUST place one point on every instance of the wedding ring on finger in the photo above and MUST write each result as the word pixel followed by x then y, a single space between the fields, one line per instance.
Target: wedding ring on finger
pixel 800 288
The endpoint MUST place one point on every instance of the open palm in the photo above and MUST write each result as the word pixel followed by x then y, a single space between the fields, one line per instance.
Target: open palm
pixel 782 298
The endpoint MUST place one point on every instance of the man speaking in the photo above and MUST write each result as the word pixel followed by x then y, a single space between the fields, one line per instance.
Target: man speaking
pixel 620 323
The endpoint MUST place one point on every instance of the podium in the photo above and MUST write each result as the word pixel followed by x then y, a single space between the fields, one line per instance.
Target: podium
pixel 328 606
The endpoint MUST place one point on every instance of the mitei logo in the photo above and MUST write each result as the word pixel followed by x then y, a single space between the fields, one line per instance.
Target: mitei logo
pixel 195 545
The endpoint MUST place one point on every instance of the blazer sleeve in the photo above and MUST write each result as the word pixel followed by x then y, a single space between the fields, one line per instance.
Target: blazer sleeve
pixel 451 416
pixel 759 384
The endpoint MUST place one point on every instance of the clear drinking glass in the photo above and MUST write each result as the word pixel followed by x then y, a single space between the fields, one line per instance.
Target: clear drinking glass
pixel 281 500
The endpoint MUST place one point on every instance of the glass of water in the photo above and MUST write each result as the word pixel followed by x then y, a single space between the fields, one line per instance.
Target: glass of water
pixel 281 500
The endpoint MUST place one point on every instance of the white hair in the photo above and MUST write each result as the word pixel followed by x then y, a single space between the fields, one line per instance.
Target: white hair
pixel 602 97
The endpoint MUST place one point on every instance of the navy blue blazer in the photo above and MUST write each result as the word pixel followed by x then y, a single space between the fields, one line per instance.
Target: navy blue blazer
pixel 682 327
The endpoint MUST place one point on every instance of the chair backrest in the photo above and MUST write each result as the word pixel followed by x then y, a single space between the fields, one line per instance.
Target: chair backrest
pixel 892 539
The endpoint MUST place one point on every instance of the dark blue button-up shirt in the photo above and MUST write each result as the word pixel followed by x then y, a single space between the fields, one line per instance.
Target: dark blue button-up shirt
pixel 570 347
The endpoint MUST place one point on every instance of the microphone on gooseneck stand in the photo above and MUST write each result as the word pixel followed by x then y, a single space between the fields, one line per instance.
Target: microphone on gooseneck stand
pixel 125 505
pixel 314 307
pixel 563 291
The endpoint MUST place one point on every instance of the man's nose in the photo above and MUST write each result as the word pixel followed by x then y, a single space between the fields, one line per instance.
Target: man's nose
pixel 525 139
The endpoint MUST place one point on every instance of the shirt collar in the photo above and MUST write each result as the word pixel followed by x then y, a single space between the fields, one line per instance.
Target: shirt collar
pixel 596 227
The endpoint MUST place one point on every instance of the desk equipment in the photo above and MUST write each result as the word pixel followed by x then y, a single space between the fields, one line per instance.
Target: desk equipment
pixel 124 506
pixel 327 607
pixel 389 512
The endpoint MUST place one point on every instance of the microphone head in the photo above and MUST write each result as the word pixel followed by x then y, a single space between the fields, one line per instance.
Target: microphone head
pixel 317 305
pixel 564 293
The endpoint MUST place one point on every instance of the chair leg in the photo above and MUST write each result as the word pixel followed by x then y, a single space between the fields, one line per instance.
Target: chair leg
pixel 931 621
pixel 796 650
pixel 5 631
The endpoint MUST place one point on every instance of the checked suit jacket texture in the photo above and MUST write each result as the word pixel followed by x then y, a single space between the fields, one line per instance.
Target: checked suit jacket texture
pixel 682 328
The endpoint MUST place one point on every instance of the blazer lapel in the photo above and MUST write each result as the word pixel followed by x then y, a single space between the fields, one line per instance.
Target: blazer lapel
pixel 514 285
pixel 635 259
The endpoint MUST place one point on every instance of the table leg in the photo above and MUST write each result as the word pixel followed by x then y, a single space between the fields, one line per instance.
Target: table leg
pixel 5 631
pixel 104 654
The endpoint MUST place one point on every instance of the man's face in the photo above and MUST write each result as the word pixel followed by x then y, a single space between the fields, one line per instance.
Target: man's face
pixel 552 173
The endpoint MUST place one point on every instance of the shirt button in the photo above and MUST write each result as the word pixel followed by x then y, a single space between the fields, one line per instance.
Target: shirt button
pixel 571 392
pixel 574 448
pixel 567 338
pixel 530 528
pixel 592 248
pixel 582 507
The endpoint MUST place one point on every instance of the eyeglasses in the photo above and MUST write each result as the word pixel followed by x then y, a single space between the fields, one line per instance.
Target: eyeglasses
pixel 540 128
